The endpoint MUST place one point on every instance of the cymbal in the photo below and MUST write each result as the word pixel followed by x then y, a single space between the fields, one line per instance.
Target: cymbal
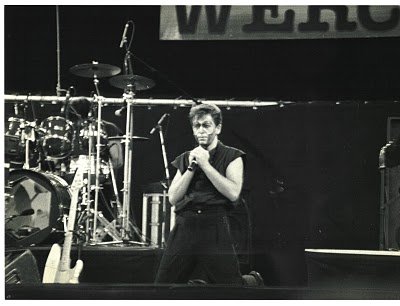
pixel 94 70
pixel 139 82
pixel 135 138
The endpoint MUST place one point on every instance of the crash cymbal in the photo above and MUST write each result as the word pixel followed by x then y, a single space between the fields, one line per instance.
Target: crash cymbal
pixel 135 138
pixel 138 82
pixel 94 70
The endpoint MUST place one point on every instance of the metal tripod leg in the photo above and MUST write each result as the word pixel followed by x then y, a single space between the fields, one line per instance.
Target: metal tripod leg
pixel 115 189
pixel 108 229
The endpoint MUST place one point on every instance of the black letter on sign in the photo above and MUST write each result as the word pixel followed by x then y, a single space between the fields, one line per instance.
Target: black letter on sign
pixel 188 26
pixel 259 25
pixel 315 25
pixel 220 26
pixel 372 25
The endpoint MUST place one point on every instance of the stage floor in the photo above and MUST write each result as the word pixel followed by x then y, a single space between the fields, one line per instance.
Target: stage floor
pixel 188 292
pixel 128 272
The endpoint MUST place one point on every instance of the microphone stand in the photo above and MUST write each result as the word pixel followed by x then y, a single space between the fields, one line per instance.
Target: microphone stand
pixel 127 167
pixel 164 154
pixel 168 213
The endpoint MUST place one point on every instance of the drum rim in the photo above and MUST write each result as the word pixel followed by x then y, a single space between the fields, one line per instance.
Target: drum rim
pixel 70 124
pixel 16 119
pixel 55 136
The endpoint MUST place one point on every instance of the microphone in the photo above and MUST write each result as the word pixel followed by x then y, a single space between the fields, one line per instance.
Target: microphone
pixel 119 112
pixel 123 39
pixel 159 123
pixel 193 165
pixel 382 157
pixel 26 212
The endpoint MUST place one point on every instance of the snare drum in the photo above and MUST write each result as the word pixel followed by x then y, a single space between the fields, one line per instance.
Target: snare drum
pixel 49 197
pixel 57 142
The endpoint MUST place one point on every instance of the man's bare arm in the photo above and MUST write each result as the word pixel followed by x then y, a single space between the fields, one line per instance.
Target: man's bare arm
pixel 231 185
pixel 179 186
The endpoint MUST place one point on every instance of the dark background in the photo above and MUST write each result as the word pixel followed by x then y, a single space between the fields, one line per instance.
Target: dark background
pixel 326 153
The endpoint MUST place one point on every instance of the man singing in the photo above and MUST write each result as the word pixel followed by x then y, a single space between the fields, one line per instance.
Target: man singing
pixel 207 184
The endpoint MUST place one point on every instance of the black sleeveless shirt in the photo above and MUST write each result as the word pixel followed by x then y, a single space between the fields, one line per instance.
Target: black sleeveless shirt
pixel 201 192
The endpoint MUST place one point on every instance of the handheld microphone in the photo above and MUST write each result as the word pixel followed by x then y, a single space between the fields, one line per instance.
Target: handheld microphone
pixel 382 157
pixel 123 39
pixel 119 112
pixel 193 165
pixel 159 123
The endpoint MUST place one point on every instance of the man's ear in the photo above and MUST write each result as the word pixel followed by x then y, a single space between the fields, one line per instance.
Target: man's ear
pixel 218 129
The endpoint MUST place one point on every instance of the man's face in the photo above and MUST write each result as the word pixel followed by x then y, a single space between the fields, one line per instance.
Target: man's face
pixel 205 130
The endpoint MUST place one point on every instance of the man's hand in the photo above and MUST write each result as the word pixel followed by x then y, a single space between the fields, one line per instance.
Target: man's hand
pixel 201 155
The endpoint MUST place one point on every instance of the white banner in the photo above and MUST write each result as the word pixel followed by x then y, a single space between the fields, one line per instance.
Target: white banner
pixel 227 22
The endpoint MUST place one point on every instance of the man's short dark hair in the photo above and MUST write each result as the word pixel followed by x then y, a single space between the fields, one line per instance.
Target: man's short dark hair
pixel 205 109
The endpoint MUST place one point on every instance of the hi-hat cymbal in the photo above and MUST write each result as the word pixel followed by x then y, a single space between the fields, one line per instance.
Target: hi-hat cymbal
pixel 94 70
pixel 121 138
pixel 138 82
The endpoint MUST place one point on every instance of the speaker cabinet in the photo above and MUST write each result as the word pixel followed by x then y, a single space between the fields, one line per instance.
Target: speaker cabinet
pixel 21 267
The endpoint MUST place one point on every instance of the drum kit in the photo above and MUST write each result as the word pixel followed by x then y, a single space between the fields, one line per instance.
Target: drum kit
pixel 42 158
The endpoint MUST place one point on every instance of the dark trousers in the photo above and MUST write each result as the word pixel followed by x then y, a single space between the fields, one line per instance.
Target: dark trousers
pixel 200 239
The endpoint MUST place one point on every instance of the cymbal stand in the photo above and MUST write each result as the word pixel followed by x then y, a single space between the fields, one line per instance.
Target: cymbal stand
pixel 126 224
pixel 91 230
pixel 97 169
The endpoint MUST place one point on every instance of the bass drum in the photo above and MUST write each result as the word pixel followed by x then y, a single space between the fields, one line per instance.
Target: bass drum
pixel 44 193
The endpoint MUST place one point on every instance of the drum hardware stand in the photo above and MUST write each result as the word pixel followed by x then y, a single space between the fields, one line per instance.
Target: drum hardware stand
pixel 28 136
pixel 27 129
pixel 109 228
pixel 97 169
pixel 97 216
pixel 89 180
pixel 126 224
pixel 115 189
pixel 91 230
